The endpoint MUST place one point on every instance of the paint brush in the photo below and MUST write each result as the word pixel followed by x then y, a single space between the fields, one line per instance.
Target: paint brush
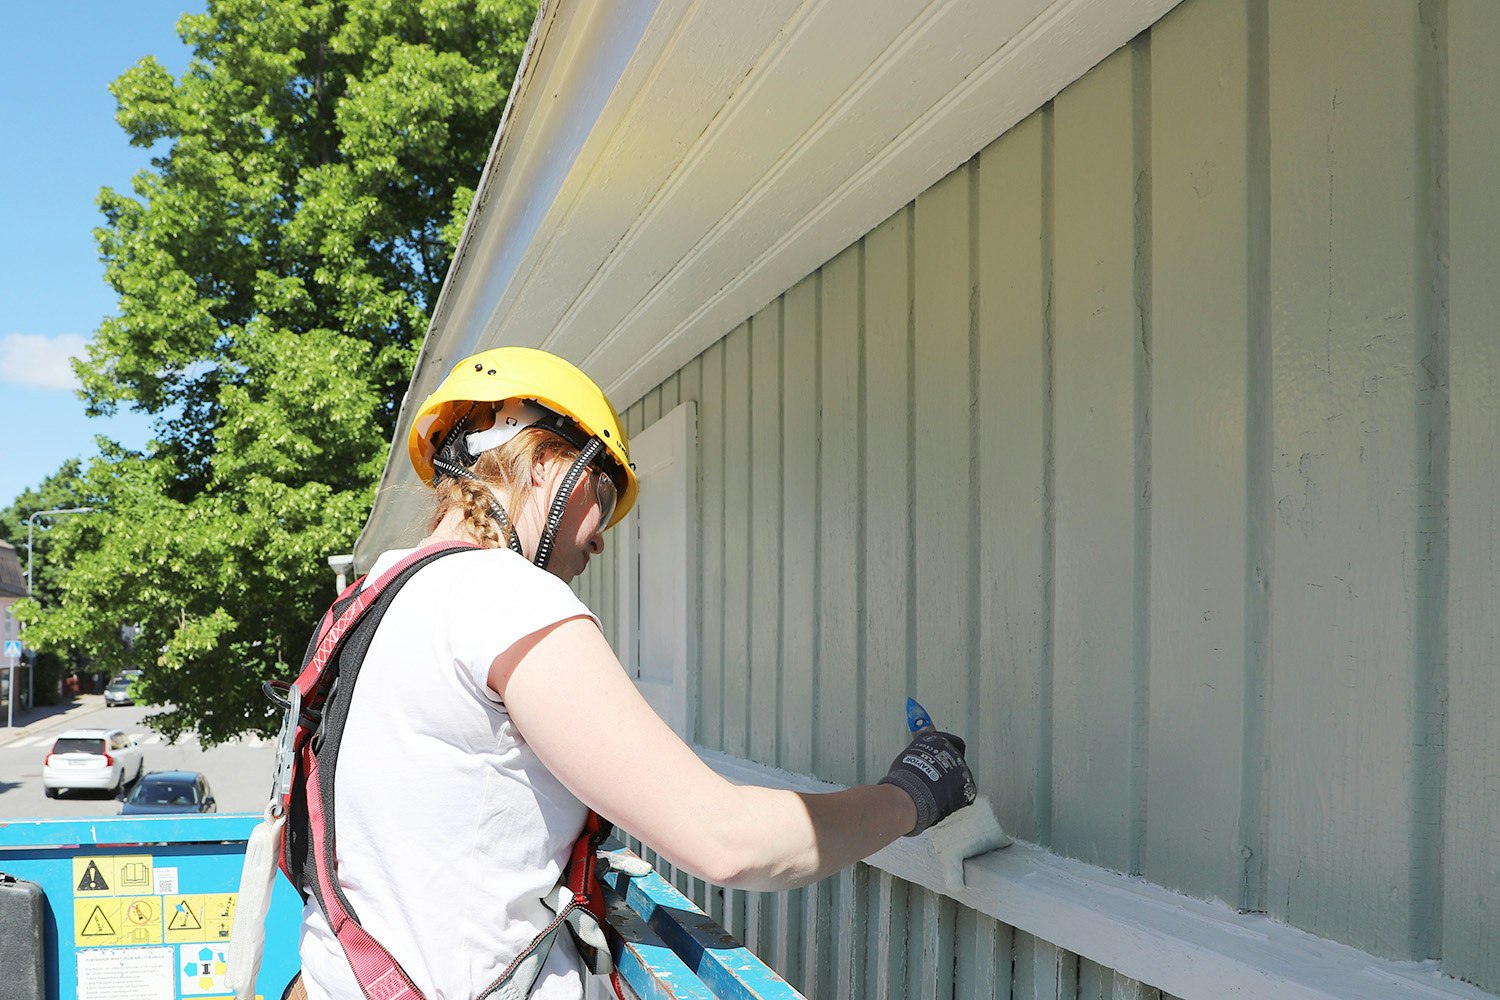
pixel 968 832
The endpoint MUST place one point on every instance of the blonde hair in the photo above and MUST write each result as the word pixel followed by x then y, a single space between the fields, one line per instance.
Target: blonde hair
pixel 502 474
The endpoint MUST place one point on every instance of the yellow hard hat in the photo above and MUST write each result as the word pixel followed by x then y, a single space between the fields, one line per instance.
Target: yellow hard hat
pixel 493 377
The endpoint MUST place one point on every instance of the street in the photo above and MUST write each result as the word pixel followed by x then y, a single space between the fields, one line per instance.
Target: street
pixel 239 772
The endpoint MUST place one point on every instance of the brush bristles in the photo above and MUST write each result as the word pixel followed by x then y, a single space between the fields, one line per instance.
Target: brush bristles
pixel 969 832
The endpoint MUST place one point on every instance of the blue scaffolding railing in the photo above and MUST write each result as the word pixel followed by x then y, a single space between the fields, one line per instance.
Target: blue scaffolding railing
pixel 140 908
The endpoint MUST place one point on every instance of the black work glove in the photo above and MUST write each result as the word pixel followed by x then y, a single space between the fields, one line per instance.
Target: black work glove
pixel 933 772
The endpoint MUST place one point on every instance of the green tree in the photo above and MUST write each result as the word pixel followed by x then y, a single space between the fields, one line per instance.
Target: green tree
pixel 55 537
pixel 275 270
pixel 64 489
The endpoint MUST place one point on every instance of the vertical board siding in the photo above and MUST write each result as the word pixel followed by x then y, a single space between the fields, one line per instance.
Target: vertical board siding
pixel 844 975
pixel 1043 970
pixel 943 461
pixel 1199 385
pixel 886 936
pixel 711 512
pixel 766 555
pixel 838 726
pixel 887 486
pixel 1155 448
pixel 737 465
pixel 1345 378
pixel 1094 358
pixel 1013 756
pixel 799 498
pixel 1471 815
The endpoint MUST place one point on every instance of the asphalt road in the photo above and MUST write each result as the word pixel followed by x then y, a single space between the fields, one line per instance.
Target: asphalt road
pixel 239 772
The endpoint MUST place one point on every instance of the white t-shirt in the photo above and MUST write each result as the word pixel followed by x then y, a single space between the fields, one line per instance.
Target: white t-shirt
pixel 450 830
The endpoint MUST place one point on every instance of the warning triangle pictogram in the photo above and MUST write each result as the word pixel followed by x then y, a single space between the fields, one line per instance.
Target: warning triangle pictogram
pixel 93 879
pixel 98 925
pixel 184 919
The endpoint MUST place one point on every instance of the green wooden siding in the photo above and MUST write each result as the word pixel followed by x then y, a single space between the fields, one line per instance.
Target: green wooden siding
pixel 1155 449
pixel 1470 820
pixel 874 936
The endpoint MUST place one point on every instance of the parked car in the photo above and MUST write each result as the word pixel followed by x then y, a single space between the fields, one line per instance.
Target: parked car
pixel 118 692
pixel 170 792
pixel 92 758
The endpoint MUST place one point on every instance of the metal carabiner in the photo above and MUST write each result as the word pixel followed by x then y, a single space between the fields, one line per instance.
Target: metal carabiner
pixel 286 744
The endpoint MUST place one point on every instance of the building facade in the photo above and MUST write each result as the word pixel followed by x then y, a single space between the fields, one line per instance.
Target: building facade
pixel 1150 442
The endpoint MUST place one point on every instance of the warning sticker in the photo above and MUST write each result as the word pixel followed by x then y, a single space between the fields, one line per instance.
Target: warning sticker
pixel 116 920
pixel 135 874
pixel 112 874
pixel 125 974
pixel 141 920
pixel 202 969
pixel 96 922
pixel 184 916
pixel 192 918
pixel 218 915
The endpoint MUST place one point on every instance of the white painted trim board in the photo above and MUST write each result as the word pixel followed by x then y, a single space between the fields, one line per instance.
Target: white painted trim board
pixel 1191 948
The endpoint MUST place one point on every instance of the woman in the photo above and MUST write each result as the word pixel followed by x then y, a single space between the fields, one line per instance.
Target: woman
pixel 490 714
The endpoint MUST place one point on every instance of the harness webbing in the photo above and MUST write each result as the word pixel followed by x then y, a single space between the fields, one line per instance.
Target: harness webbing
pixel 309 846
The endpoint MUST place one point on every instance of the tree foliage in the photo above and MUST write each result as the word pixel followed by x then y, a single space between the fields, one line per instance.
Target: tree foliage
pixel 275 268
pixel 64 489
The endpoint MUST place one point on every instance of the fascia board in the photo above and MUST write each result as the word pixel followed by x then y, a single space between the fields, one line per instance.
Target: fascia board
pixel 574 64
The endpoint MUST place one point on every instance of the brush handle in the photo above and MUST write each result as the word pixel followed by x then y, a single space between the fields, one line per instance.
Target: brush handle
pixel 917 719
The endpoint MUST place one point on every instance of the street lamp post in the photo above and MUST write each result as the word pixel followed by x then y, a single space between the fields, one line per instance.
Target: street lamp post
pixel 30 552
pixel 341 565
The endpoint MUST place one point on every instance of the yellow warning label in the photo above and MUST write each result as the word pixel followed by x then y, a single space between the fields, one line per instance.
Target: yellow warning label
pixel 99 923
pixel 135 874
pixel 192 918
pixel 184 917
pixel 111 874
pixel 141 920
pixel 96 922
pixel 218 915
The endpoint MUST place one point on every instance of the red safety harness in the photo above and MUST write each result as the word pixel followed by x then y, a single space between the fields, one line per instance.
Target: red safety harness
pixel 317 708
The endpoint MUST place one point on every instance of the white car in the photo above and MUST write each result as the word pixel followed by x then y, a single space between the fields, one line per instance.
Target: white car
pixel 92 758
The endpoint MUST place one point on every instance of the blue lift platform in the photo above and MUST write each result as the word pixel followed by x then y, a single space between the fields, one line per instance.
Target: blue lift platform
pixel 140 908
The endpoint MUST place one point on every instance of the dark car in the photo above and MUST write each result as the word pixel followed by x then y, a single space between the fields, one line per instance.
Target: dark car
pixel 118 692
pixel 169 792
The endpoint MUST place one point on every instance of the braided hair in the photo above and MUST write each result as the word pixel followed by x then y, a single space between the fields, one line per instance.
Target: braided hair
pixel 500 475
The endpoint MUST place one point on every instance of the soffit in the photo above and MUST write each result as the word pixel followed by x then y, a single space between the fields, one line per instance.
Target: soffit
pixel 666 167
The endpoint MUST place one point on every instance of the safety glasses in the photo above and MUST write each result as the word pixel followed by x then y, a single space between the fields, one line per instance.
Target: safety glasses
pixel 605 493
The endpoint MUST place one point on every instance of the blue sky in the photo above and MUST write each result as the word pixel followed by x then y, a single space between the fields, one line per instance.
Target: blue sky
pixel 62 145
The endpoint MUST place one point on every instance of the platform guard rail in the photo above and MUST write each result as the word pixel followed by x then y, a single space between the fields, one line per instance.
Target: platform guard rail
pixel 140 908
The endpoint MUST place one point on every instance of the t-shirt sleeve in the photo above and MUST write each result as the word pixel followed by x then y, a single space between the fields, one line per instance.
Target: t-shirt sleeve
pixel 503 599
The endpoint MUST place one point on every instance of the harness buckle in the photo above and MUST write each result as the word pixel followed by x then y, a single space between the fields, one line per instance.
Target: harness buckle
pixel 286 744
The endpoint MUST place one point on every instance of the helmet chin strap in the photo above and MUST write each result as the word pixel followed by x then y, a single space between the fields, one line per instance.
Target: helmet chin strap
pixel 560 501
pixel 559 506
pixel 496 511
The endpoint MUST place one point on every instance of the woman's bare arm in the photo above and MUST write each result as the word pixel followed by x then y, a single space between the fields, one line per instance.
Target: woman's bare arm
pixel 574 704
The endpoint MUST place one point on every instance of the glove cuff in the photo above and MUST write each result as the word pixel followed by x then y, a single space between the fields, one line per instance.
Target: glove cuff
pixel 921 797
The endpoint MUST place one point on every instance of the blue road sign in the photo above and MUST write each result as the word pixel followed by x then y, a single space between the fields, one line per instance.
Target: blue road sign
pixel 13 647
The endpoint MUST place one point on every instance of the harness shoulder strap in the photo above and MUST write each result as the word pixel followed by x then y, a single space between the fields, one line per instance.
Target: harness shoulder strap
pixel 327 681
pixel 309 849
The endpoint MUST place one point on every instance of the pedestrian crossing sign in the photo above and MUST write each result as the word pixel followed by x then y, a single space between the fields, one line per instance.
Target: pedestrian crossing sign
pixel 13 648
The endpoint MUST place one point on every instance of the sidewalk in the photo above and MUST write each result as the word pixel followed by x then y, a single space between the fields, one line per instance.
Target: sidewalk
pixel 41 716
